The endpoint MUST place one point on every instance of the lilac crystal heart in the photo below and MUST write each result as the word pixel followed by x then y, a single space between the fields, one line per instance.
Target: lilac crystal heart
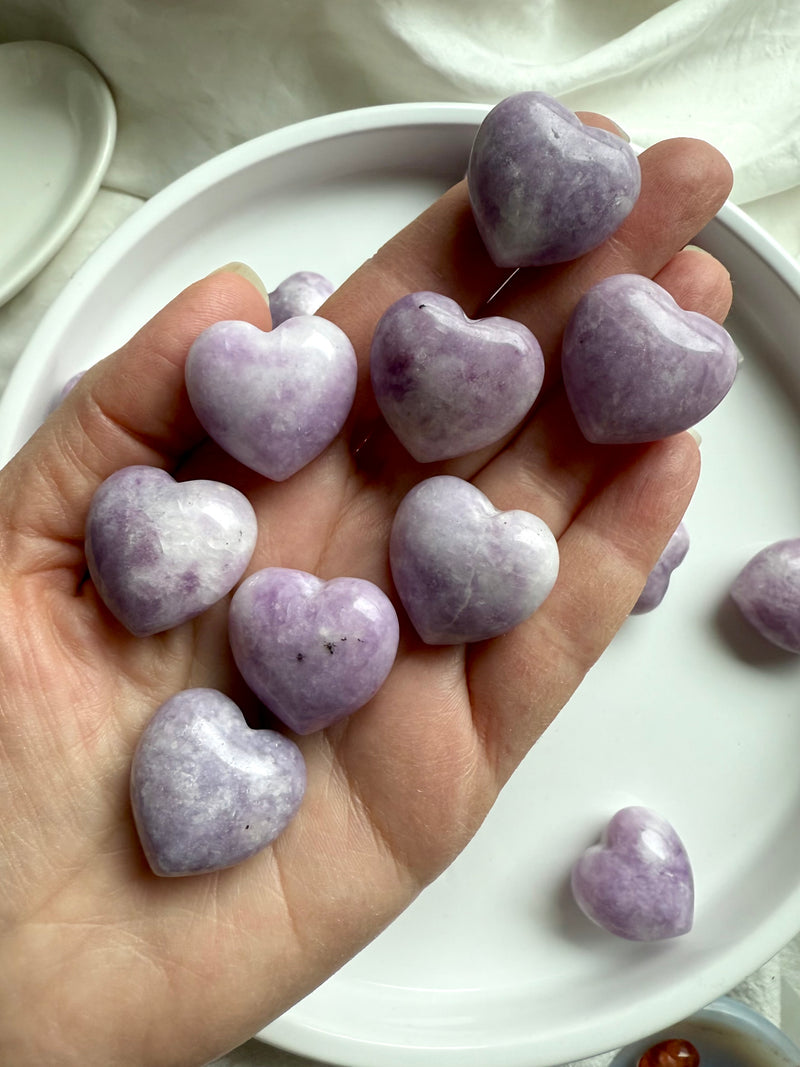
pixel 207 791
pixel 464 570
pixel 272 400
pixel 160 552
pixel 544 188
pixel 637 367
pixel 302 293
pixel 637 883
pixel 767 592
pixel 447 384
pixel 655 588
pixel 312 651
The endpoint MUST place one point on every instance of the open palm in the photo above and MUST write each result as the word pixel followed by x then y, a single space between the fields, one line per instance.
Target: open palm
pixel 102 962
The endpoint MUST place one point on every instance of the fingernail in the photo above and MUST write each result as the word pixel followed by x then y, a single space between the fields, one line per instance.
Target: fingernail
pixel 620 132
pixel 244 272
pixel 693 432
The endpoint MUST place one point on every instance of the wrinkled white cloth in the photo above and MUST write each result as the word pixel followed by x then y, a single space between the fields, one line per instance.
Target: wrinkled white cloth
pixel 192 78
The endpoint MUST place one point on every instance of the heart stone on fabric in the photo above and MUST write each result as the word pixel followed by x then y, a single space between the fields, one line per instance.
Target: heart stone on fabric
pixel 447 384
pixel 637 367
pixel 464 570
pixel 312 651
pixel 160 552
pixel 543 187
pixel 207 791
pixel 273 400
pixel 637 882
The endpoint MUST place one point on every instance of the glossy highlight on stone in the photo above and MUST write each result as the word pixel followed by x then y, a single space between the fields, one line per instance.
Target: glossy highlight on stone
pixel 655 588
pixel 312 651
pixel 543 187
pixel 637 367
pixel 447 384
pixel 207 791
pixel 464 570
pixel 160 552
pixel 637 883
pixel 273 400
pixel 767 592
pixel 302 293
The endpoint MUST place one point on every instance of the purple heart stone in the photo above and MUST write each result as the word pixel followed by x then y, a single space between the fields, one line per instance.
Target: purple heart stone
pixel 160 552
pixel 637 883
pixel 655 588
pixel 637 367
pixel 273 400
pixel 207 791
pixel 312 651
pixel 767 592
pixel 544 188
pixel 464 570
pixel 302 293
pixel 447 384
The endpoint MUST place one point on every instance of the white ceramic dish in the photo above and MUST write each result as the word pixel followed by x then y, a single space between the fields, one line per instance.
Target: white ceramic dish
pixel 57 129
pixel 687 713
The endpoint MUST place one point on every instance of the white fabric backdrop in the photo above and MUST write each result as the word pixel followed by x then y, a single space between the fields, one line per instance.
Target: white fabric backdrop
pixel 192 78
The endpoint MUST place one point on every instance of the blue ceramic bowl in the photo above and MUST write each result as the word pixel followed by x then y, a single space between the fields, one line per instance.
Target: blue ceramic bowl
pixel 726 1034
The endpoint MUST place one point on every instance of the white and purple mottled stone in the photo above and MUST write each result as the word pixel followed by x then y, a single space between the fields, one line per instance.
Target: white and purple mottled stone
pixel 655 588
pixel 207 791
pixel 312 651
pixel 767 592
pixel 637 367
pixel 543 187
pixel 637 883
pixel 160 552
pixel 302 293
pixel 465 571
pixel 273 400
pixel 447 384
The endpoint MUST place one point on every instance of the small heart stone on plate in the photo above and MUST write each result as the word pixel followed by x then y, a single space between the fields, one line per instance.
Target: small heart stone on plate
pixel 312 651
pixel 273 400
pixel 302 293
pixel 767 592
pixel 160 552
pixel 464 570
pixel 637 367
pixel 447 384
pixel 207 791
pixel 655 588
pixel 637 883
pixel 544 188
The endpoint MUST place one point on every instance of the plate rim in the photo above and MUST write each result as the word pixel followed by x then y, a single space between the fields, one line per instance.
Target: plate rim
pixel 64 60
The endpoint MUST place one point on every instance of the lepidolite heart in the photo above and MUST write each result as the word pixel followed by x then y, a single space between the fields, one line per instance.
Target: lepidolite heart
pixel 637 883
pixel 312 651
pixel 544 188
pixel 447 384
pixel 464 570
pixel 272 400
pixel 302 293
pixel 206 790
pixel 160 552
pixel 655 588
pixel 637 367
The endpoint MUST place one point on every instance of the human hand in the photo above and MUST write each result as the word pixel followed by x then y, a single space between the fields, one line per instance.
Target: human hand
pixel 102 962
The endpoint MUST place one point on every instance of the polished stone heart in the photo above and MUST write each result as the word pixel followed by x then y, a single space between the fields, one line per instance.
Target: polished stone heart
pixel 464 570
pixel 637 882
pixel 312 651
pixel 207 791
pixel 160 552
pixel 447 384
pixel 655 588
pixel 544 188
pixel 272 400
pixel 767 592
pixel 302 293
pixel 637 367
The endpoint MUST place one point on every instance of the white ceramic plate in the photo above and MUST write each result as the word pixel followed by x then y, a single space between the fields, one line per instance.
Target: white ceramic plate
pixel 687 713
pixel 57 129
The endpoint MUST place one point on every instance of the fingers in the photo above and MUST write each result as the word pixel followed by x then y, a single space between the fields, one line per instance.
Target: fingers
pixel 131 408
